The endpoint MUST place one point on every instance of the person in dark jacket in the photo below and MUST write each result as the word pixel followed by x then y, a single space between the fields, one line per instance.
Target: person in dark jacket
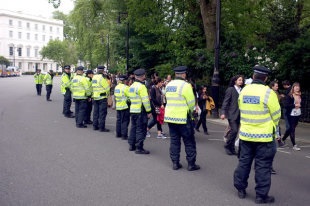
pixel 230 110
pixel 202 99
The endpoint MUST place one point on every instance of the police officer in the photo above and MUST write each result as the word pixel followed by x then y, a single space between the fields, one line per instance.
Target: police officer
pixel 101 89
pixel 65 90
pixel 180 106
pixel 38 80
pixel 140 111
pixel 48 81
pixel 122 109
pixel 260 113
pixel 80 91
pixel 89 76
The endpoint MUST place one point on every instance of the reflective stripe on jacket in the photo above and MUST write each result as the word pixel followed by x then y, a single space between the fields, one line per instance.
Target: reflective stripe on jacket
pixel 100 86
pixel 38 78
pixel 259 113
pixel 79 87
pixel 121 96
pixel 180 101
pixel 138 95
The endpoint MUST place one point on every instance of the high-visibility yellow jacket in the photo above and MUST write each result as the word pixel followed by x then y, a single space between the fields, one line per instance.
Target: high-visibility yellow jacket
pixel 259 113
pixel 121 96
pixel 65 82
pixel 139 97
pixel 80 87
pixel 100 86
pixel 48 80
pixel 38 78
pixel 180 101
pixel 89 81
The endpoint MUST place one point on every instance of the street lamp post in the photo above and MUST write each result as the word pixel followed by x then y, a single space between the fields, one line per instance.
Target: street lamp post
pixel 127 37
pixel 215 77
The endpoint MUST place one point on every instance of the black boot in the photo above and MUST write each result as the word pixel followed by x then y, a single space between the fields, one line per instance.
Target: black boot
pixel 176 165
pixel 264 200
pixel 132 148
pixel 192 166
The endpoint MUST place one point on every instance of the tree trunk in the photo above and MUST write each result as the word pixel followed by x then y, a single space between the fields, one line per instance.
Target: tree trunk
pixel 208 14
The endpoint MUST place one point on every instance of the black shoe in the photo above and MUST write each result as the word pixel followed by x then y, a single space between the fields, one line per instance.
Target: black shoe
pixel 229 151
pixel 81 126
pixel 241 194
pixel 104 130
pixel 124 138
pixel 71 112
pixel 176 165
pixel 142 151
pixel 193 167
pixel 132 148
pixel 206 133
pixel 197 129
pixel 95 128
pixel 69 116
pixel 265 200
pixel 49 100
pixel 273 171
pixel 89 122
pixel 118 136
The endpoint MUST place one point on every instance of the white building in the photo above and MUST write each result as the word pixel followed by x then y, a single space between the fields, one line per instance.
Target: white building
pixel 22 36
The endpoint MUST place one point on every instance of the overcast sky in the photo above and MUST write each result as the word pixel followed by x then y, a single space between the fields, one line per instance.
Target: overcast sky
pixel 36 7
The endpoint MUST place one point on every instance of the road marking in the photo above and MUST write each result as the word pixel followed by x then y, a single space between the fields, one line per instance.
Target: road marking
pixel 305 146
pixel 308 157
pixel 283 151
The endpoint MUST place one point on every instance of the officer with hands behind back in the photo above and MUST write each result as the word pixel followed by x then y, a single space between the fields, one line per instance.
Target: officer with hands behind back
pixel 140 111
pixel 260 114
pixel 180 106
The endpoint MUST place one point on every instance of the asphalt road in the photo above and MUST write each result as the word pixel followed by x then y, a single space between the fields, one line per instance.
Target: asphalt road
pixel 46 161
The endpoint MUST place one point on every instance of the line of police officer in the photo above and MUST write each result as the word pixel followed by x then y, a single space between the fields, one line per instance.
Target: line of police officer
pixel 260 113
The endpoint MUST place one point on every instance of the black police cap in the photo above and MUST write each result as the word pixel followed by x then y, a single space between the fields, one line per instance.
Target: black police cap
pixel 80 68
pixel 139 72
pixel 180 69
pixel 261 70
pixel 67 67
pixel 100 67
pixel 122 77
pixel 89 72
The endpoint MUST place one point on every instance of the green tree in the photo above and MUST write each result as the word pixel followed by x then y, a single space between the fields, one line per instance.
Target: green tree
pixel 62 52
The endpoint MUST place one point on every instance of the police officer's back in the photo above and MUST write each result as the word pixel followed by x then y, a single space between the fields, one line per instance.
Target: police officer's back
pixel 180 105
pixel 260 113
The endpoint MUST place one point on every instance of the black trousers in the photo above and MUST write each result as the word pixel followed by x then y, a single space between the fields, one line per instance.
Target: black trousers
pixel 231 138
pixel 80 111
pixel 89 110
pixel 203 120
pixel 138 129
pixel 185 131
pixel 100 113
pixel 39 89
pixel 48 91
pixel 263 154
pixel 67 103
pixel 122 122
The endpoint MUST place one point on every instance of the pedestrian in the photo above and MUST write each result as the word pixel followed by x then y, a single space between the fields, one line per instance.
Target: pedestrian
pixel 89 76
pixel 179 108
pixel 65 90
pixel 140 111
pixel 156 99
pixel 122 107
pixel 202 103
pixel 292 106
pixel 101 90
pixel 38 80
pixel 48 81
pixel 80 91
pixel 230 110
pixel 287 86
pixel 260 114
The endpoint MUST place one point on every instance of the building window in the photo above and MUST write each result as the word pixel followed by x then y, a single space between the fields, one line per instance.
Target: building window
pixel 36 52
pixel 36 26
pixel 19 24
pixel 51 38
pixel 51 28
pixel 11 51
pixel 11 22
pixel 28 52
pixel 28 36
pixel 43 37
pixel 19 51
pixel 28 25
pixel 19 35
pixel 57 30
pixel 43 27
pixel 36 36
pixel 11 34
